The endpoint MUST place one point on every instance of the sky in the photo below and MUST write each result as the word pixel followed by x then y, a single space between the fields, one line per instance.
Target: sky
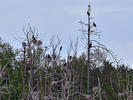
pixel 61 17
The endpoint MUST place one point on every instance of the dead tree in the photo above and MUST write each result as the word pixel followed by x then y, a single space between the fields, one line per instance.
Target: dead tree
pixel 97 52
pixel 89 46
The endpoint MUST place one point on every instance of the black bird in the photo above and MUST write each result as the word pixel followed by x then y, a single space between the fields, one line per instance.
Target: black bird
pixel 90 45
pixel 88 13
pixel 64 64
pixel 94 24
pixel 33 37
pixel 48 56
pixel 70 57
pixel 60 48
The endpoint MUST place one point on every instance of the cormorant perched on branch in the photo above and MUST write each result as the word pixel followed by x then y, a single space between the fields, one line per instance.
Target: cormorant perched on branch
pixel 88 13
pixel 90 45
pixel 33 37
pixel 65 64
pixel 94 24
pixel 60 48
pixel 48 56
pixel 69 57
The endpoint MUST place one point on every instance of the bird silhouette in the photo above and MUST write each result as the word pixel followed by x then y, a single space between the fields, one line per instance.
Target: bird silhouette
pixel 60 48
pixel 88 13
pixel 48 56
pixel 70 57
pixel 90 45
pixel 94 24
pixel 33 37
pixel 65 64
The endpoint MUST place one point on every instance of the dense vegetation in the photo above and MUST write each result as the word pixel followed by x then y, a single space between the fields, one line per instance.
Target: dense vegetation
pixel 34 74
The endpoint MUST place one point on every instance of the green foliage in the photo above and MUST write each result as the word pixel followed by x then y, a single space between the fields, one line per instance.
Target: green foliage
pixel 11 80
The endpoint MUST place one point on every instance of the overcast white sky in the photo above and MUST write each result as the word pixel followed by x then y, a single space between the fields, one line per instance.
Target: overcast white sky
pixel 61 17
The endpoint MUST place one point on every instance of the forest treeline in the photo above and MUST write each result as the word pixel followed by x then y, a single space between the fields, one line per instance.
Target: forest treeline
pixel 32 73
